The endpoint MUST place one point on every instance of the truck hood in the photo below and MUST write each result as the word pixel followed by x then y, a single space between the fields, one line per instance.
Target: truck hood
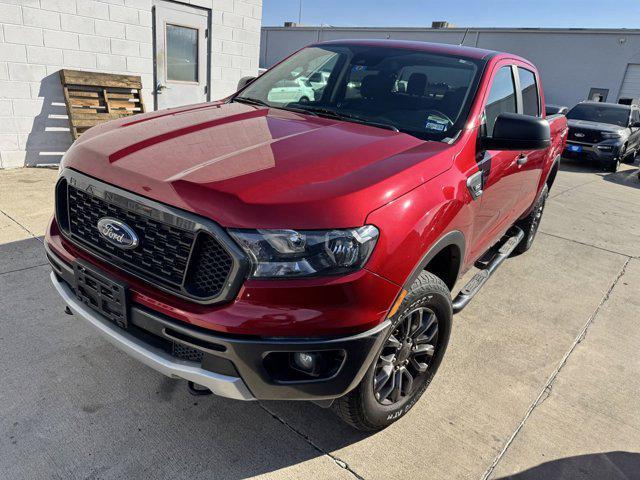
pixel 596 126
pixel 254 167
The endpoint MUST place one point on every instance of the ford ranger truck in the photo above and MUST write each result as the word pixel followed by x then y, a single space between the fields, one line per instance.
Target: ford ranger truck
pixel 269 249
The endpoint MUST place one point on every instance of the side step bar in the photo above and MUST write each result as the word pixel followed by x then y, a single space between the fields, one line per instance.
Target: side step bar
pixel 479 279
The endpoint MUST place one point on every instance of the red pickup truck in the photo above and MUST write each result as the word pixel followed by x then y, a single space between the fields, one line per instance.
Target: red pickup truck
pixel 300 239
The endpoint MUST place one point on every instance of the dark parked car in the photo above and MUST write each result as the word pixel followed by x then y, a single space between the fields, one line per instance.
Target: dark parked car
pixel 607 133
pixel 556 110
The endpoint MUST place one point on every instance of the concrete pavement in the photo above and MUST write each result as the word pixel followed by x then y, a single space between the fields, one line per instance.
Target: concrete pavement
pixel 540 379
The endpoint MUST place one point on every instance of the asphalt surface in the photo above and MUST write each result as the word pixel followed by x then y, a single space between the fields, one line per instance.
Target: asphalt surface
pixel 541 378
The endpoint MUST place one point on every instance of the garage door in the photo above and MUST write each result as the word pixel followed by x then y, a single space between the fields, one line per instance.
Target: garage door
pixel 631 84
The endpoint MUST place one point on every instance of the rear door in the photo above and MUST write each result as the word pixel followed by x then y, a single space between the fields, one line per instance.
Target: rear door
pixel 530 163
pixel 181 54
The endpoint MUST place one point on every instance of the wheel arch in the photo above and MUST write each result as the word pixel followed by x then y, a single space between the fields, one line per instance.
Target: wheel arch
pixel 553 172
pixel 444 259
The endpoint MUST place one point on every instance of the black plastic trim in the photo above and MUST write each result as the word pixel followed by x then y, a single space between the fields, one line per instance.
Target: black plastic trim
pixel 455 237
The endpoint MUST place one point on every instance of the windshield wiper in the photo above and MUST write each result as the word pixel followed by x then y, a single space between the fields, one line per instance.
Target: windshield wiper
pixel 349 117
pixel 251 101
pixel 262 103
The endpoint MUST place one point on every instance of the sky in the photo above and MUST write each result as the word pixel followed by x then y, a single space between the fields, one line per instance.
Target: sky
pixel 463 13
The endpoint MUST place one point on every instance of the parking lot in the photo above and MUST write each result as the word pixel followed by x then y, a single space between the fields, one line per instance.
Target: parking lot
pixel 541 378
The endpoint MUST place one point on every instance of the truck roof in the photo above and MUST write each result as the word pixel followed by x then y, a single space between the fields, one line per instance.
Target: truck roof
pixel 446 49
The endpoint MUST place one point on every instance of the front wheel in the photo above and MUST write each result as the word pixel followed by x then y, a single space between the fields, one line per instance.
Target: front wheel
pixel 409 358
pixel 613 166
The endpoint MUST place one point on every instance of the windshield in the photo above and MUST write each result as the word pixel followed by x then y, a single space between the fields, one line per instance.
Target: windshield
pixel 600 113
pixel 426 95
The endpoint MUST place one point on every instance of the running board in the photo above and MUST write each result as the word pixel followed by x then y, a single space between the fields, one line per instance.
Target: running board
pixel 479 279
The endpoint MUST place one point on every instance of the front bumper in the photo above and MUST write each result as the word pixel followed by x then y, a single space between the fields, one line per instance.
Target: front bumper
pixel 230 366
pixel 604 152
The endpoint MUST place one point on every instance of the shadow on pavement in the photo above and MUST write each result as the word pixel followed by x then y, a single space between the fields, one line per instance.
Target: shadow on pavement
pixel 596 466
pixel 628 175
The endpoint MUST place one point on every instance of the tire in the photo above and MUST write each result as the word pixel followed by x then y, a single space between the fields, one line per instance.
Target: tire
pixel 531 223
pixel 629 156
pixel 365 410
pixel 613 166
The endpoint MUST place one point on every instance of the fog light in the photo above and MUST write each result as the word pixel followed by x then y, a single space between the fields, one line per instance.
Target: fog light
pixel 305 361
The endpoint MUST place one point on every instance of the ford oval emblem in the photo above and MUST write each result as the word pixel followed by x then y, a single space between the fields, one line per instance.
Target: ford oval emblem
pixel 118 233
pixel 579 135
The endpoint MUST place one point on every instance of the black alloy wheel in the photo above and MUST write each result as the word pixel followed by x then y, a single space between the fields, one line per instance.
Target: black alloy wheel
pixel 406 356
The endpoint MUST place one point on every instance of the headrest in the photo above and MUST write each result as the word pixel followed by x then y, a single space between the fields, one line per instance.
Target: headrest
pixel 417 84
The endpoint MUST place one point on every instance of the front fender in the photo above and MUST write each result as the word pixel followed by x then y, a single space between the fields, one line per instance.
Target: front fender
pixel 416 226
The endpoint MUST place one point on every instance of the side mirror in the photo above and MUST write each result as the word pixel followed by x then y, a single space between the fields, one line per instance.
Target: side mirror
pixel 244 81
pixel 513 131
pixel 635 125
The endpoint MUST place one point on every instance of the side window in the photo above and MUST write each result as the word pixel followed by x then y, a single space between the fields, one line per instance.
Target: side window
pixel 530 101
pixel 635 116
pixel 502 97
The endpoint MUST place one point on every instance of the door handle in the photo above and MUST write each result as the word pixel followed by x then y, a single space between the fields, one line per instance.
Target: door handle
pixel 475 185
pixel 160 87
pixel 522 159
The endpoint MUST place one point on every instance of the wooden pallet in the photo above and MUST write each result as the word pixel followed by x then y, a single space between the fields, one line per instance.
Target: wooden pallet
pixel 93 98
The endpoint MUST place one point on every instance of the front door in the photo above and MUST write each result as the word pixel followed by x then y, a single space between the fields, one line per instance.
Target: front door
pixel 501 187
pixel 181 54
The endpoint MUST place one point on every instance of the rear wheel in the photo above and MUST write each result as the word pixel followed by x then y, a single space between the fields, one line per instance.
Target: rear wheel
pixel 531 223
pixel 409 358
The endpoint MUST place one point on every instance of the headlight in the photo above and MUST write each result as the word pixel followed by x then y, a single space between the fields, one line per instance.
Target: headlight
pixel 611 135
pixel 304 253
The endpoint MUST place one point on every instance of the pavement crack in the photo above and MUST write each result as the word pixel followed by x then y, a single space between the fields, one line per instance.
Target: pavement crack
pixel 338 461
pixel 572 188
pixel 21 226
pixel 25 268
pixel 585 244
pixel 546 390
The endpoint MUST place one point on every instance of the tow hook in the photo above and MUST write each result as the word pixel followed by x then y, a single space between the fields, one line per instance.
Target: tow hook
pixel 198 391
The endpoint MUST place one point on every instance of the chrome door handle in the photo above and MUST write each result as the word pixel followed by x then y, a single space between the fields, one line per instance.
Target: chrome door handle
pixel 475 185
pixel 522 159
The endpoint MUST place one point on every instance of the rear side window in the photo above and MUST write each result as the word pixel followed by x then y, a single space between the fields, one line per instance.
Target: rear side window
pixel 502 97
pixel 530 101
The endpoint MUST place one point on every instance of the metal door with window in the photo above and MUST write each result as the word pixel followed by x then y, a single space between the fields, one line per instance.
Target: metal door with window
pixel 181 54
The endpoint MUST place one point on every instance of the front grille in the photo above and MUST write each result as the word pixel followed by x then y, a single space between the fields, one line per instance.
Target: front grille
pixel 209 267
pixel 163 250
pixel 584 135
pixel 163 253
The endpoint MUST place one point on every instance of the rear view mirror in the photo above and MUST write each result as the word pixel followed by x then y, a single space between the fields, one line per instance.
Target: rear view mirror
pixel 244 81
pixel 316 77
pixel 513 131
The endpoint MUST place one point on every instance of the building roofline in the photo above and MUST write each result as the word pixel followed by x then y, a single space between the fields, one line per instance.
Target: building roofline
pixel 464 29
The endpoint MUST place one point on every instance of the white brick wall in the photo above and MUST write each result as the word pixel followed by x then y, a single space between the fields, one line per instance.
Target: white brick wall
pixel 40 37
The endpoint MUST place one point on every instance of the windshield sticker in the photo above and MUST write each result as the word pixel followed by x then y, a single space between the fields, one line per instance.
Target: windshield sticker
pixel 438 127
